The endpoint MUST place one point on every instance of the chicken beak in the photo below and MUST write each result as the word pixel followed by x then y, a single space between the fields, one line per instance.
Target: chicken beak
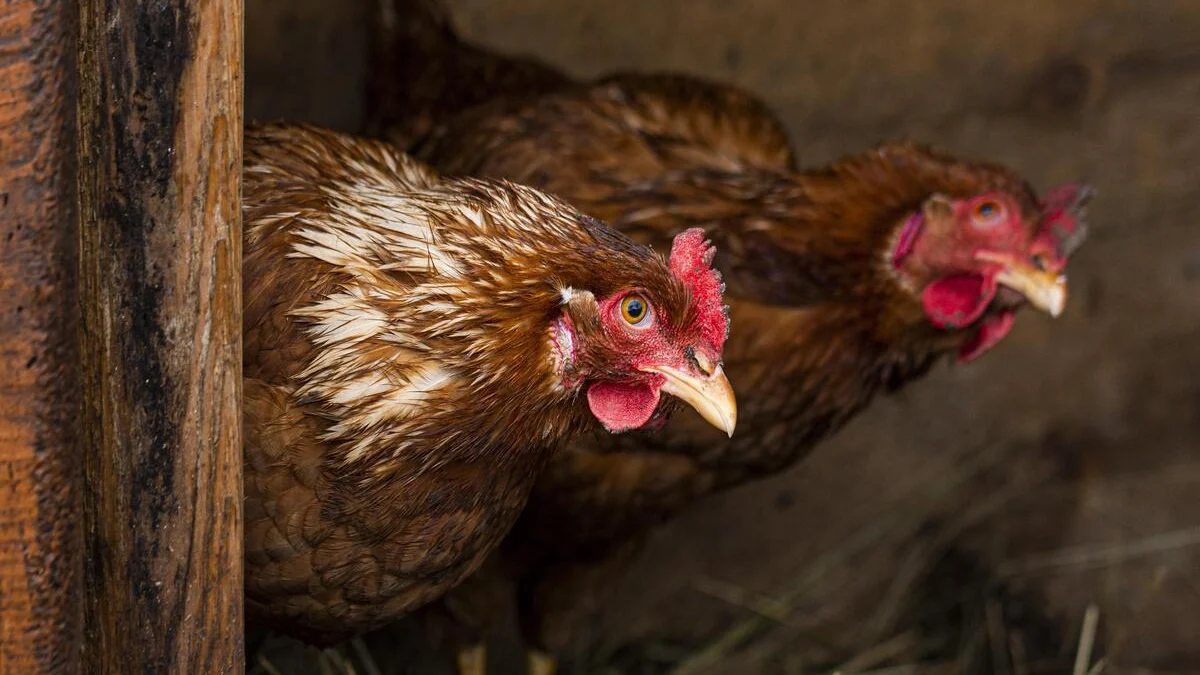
pixel 1044 289
pixel 711 396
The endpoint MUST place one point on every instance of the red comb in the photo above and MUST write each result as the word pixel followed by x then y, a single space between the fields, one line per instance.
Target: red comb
pixel 1063 217
pixel 691 261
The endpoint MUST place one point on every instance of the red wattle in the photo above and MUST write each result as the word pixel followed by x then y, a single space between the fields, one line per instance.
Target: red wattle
pixel 622 406
pixel 957 301
pixel 991 332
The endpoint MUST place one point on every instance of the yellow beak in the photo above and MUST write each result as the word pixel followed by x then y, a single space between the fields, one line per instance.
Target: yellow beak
pixel 1043 289
pixel 711 396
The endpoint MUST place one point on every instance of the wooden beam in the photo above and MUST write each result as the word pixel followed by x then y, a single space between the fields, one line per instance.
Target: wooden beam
pixel 41 544
pixel 160 119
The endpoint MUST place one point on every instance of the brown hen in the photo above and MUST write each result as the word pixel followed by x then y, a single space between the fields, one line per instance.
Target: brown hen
pixel 844 282
pixel 415 348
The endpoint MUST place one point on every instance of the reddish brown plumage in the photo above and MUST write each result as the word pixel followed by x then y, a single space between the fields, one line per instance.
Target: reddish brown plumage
pixel 406 370
pixel 827 299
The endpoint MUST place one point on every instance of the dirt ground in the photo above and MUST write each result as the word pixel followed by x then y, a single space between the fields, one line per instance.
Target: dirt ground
pixel 1061 470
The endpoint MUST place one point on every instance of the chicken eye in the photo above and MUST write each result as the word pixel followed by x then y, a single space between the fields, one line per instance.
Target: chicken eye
pixel 635 310
pixel 988 213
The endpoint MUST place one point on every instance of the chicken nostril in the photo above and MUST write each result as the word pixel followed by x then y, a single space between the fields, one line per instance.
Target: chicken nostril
pixel 698 360
pixel 1039 261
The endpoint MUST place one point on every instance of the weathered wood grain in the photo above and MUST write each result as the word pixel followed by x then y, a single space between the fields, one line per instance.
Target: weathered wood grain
pixel 160 120
pixel 40 540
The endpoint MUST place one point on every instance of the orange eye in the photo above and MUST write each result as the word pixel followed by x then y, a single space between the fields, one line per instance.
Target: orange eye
pixel 988 213
pixel 635 310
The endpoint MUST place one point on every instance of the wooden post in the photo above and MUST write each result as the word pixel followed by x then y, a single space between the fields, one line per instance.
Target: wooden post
pixel 40 539
pixel 160 123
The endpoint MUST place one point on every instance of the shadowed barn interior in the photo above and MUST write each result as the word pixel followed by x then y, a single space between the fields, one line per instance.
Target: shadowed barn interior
pixel 969 522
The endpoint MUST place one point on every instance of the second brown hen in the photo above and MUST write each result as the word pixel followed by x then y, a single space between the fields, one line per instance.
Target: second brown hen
pixel 844 282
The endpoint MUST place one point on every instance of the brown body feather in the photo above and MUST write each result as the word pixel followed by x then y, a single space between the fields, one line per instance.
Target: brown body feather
pixel 400 391
pixel 821 324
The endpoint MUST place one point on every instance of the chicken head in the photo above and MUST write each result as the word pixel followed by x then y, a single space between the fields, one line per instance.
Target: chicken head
pixel 975 260
pixel 626 348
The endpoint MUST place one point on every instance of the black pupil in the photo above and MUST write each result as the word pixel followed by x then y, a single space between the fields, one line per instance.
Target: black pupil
pixel 635 309
pixel 987 209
